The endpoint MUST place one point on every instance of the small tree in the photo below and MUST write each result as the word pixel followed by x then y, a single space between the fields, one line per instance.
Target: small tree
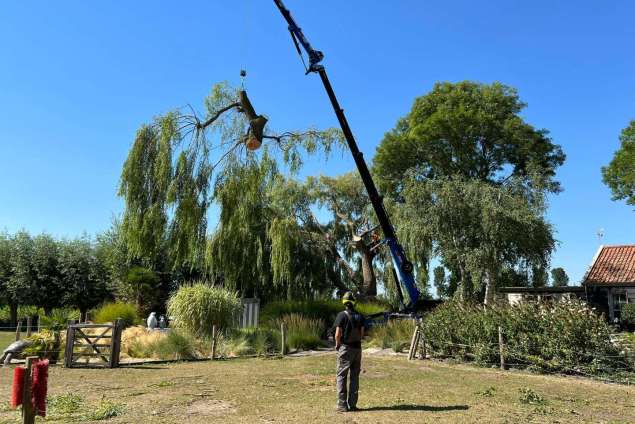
pixel 440 282
pixel 619 175
pixel 46 273
pixel 559 277
pixel 20 286
pixel 82 275
pixel 140 286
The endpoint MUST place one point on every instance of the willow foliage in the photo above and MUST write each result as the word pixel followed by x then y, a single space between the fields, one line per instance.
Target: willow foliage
pixel 180 164
pixel 263 246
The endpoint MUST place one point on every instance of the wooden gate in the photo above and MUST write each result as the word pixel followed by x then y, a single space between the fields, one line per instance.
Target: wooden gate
pixel 93 345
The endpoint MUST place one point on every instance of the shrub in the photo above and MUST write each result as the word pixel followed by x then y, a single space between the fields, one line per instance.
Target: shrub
pixel 395 334
pixel 110 312
pixel 58 320
pixel 198 307
pixel 563 336
pixel 249 341
pixel 174 346
pixel 324 310
pixel 302 333
pixel 628 316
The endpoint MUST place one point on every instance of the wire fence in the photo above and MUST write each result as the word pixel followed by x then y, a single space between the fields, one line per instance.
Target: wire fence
pixel 617 368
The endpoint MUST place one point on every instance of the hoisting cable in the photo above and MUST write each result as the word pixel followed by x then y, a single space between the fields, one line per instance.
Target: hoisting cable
pixel 297 47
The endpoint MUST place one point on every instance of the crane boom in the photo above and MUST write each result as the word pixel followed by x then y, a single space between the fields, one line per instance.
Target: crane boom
pixel 402 267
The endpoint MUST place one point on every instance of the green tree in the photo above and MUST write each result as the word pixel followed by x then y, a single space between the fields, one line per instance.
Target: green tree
pixel 350 225
pixel 6 248
pixel 268 242
pixel 180 164
pixel 44 261
pixel 20 289
pixel 619 175
pixel 82 274
pixel 559 277
pixel 469 130
pixel 478 228
pixel 141 287
pixel 440 282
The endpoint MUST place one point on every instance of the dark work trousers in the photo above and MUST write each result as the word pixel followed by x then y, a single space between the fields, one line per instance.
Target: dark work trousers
pixel 349 361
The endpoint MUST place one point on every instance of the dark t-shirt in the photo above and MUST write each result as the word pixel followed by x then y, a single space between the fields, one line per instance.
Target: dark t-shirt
pixel 351 323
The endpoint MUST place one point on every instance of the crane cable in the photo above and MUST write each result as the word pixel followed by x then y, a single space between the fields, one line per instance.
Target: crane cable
pixel 244 43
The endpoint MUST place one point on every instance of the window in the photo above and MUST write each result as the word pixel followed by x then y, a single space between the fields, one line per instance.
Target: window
pixel 619 298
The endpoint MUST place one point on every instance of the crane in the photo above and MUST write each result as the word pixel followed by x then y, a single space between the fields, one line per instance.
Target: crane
pixel 402 268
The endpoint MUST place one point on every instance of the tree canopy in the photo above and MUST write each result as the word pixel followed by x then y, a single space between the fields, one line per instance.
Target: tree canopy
pixel 470 130
pixel 167 178
pixel 478 229
pixel 619 175
pixel 559 277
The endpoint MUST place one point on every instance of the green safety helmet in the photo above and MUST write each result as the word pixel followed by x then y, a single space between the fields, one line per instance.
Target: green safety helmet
pixel 348 297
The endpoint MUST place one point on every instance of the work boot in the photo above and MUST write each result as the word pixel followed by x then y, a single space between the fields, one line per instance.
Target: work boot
pixel 341 409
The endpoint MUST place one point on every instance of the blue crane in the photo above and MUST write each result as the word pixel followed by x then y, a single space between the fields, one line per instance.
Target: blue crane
pixel 402 267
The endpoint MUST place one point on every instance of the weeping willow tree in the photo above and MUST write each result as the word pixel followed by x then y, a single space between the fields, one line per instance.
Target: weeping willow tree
pixel 182 163
pixel 268 243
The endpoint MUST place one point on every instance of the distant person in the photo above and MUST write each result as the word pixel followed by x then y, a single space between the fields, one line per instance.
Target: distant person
pixel 162 322
pixel 152 321
pixel 349 331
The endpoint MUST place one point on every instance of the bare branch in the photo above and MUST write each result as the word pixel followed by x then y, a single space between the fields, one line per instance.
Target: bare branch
pixel 217 115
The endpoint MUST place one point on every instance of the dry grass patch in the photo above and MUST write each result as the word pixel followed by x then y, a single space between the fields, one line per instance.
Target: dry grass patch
pixel 302 390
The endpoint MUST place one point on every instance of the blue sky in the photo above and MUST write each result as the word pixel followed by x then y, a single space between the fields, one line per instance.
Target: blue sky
pixel 77 78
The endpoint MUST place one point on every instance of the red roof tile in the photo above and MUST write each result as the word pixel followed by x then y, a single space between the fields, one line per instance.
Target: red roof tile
pixel 613 266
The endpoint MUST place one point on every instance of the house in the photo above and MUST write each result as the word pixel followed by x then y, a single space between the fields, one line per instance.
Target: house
pixel 610 279
pixel 514 295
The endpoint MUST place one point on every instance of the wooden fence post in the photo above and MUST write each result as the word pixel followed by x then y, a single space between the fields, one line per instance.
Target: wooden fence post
pixel 115 343
pixel 424 353
pixel 414 342
pixel 214 335
pixel 29 323
pixel 17 330
pixel 501 347
pixel 28 411
pixel 283 338
pixel 70 342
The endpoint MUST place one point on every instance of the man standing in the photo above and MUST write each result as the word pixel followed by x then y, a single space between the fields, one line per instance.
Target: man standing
pixel 349 330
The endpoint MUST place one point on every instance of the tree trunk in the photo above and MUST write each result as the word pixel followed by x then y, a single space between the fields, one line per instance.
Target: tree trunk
pixel 490 289
pixel 369 284
pixel 13 314
pixel 465 285
pixel 82 314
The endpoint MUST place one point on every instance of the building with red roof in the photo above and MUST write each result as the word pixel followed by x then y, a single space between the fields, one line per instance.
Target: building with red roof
pixel 610 279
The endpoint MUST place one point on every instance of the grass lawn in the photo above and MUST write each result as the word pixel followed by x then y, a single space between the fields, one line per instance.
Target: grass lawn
pixel 6 338
pixel 301 390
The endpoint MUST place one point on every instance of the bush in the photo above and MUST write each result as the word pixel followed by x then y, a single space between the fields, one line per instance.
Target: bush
pixel 110 312
pixel 324 310
pixel 395 334
pixel 563 336
pixel 249 341
pixel 174 346
pixel 198 307
pixel 58 320
pixel 628 316
pixel 302 333
pixel 24 311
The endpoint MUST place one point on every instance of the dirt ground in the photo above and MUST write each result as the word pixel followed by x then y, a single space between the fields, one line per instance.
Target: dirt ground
pixel 301 390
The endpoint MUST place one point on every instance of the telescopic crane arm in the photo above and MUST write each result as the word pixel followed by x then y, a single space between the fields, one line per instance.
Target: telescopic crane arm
pixel 402 267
